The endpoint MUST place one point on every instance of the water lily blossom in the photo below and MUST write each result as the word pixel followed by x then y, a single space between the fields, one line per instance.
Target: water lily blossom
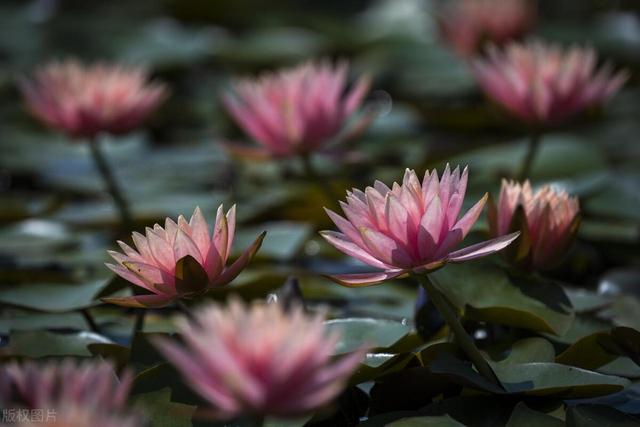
pixel 260 359
pixel 548 220
pixel 296 110
pixel 67 393
pixel 411 227
pixel 181 260
pixel 468 25
pixel 543 84
pixel 85 100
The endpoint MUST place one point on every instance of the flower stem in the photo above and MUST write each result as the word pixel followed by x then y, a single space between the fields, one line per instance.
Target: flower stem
pixel 462 338
pixel 90 321
pixel 112 185
pixel 138 326
pixel 312 176
pixel 532 149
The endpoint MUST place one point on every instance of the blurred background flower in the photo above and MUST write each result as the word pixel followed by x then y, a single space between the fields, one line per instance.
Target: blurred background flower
pixel 545 85
pixel 85 100
pixel 70 393
pixel 258 360
pixel 468 26
pixel 296 111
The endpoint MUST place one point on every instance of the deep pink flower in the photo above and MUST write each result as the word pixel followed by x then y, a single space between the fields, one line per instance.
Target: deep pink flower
pixel 260 359
pixel 181 260
pixel 413 226
pixel 548 220
pixel 296 110
pixel 543 84
pixel 67 393
pixel 85 100
pixel 467 25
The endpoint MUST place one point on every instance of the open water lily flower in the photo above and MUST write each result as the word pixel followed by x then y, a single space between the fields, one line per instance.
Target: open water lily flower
pixel 181 260
pixel 410 227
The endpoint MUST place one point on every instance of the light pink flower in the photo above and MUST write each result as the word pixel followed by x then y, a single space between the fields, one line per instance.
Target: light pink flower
pixel 84 100
pixel 411 227
pixel 260 359
pixel 181 260
pixel 467 25
pixel 68 393
pixel 548 220
pixel 296 110
pixel 544 84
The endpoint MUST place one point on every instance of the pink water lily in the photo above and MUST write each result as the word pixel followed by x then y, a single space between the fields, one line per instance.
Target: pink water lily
pixel 67 393
pixel 260 360
pixel 543 84
pixel 548 220
pixel 468 25
pixel 85 100
pixel 296 110
pixel 181 260
pixel 411 227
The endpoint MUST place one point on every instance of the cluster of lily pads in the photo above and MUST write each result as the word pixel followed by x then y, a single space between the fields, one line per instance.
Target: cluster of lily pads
pixel 424 315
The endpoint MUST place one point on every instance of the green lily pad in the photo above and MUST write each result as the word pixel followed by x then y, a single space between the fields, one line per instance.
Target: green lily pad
pixel 486 293
pixel 30 320
pixel 52 297
pixel 597 416
pixel 41 343
pixel 523 416
pixel 377 333
pixel 553 379
pixel 529 350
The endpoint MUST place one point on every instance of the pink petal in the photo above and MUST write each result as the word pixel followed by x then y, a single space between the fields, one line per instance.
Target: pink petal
pixel 342 243
pixel 385 248
pixel 345 227
pixel 483 249
pixel 220 238
pixel 184 246
pixel 237 267
pixel 161 250
pixel 354 99
pixel 469 219
pixel 200 232
pixel 365 279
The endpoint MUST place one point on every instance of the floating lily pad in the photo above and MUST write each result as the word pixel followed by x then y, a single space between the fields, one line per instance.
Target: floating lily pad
pixel 486 293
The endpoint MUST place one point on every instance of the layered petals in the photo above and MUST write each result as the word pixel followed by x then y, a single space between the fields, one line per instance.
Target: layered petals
pixel 259 360
pixel 410 227
pixel 181 260
pixel 296 110
pixel 548 220
pixel 543 84
pixel 84 100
